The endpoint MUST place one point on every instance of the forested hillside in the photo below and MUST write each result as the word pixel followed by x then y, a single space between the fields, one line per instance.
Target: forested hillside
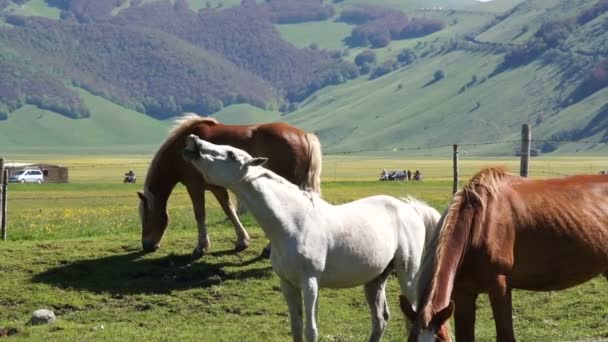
pixel 162 58
pixel 362 74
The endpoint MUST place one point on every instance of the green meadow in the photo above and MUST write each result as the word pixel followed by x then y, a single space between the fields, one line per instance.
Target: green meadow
pixel 75 248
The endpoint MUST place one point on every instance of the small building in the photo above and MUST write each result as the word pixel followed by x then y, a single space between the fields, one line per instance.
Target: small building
pixel 52 173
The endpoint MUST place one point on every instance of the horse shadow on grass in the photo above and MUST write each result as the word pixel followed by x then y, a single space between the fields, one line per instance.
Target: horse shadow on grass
pixel 131 274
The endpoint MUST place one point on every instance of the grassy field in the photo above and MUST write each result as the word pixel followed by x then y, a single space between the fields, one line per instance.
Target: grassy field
pixel 74 248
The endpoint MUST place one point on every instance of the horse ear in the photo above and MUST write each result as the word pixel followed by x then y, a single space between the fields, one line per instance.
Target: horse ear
pixel 142 197
pixel 443 315
pixel 256 161
pixel 406 308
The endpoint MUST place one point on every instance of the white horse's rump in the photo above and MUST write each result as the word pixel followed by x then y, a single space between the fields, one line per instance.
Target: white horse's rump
pixel 317 244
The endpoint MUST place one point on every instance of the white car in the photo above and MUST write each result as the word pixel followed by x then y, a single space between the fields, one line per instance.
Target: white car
pixel 29 176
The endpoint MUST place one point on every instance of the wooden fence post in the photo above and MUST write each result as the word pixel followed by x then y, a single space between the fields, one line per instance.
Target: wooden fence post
pixel 455 187
pixel 3 190
pixel 2 196
pixel 526 137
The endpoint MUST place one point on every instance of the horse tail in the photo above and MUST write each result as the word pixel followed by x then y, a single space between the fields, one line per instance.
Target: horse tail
pixel 313 175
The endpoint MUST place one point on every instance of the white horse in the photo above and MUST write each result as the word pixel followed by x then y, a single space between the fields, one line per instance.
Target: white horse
pixel 316 244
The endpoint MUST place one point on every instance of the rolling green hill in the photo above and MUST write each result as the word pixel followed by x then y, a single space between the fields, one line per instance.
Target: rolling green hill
pixel 405 108
pixel 501 64
pixel 111 129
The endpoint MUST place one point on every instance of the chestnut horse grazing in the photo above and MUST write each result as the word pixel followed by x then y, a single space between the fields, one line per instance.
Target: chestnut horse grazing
pixel 316 244
pixel 503 232
pixel 291 152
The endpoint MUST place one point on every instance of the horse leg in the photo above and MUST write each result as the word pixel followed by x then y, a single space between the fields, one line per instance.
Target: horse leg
pixel 197 196
pixel 407 287
pixel 464 316
pixel 500 299
pixel 310 289
pixel 242 237
pixel 293 297
pixel 376 298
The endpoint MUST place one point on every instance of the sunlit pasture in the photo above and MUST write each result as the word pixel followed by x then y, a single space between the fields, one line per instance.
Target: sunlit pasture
pixel 75 248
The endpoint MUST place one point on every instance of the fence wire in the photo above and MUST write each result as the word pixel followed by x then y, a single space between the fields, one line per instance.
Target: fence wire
pixel 330 172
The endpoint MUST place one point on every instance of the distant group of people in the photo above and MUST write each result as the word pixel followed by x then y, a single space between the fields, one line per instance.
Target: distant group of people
pixel 401 175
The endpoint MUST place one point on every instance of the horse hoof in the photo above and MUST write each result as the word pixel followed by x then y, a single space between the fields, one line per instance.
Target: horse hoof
pixel 266 252
pixel 197 254
pixel 240 246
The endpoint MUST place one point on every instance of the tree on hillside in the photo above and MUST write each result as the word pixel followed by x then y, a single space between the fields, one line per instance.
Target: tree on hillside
pixel 383 69
pixel 406 56
pixel 162 58
pixel 438 75
pixel 377 26
pixel 595 80
pixel 365 57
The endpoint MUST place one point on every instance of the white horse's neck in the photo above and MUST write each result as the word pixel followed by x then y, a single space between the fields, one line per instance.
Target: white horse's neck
pixel 276 204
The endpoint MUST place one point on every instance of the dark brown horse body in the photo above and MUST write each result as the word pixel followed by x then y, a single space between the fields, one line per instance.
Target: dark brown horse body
pixel 503 232
pixel 291 152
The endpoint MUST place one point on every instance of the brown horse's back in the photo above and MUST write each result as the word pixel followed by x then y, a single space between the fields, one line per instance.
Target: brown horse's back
pixel 560 230
pixel 286 147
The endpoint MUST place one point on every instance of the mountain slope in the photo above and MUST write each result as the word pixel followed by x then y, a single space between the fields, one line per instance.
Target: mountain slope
pixel 478 100
pixel 495 66
pixel 111 129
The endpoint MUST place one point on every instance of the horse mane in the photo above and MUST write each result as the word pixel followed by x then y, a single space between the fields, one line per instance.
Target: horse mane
pixel 441 242
pixel 185 122
pixel 429 215
pixel 263 172
pixel 266 173
pixel 180 126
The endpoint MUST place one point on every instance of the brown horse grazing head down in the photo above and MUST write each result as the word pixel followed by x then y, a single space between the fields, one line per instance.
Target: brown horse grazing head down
pixel 436 329
pixel 503 232
pixel 291 152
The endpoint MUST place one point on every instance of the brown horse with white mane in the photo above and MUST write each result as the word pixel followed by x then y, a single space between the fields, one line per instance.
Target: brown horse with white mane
pixel 503 232
pixel 291 152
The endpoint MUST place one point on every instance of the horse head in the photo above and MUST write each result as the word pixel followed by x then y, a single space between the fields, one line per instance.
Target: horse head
pixel 154 220
pixel 221 165
pixel 431 327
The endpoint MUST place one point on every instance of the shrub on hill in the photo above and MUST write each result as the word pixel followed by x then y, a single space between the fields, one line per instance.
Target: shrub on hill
pixel 406 56
pixel 298 11
pixel 596 79
pixel 383 69
pixel 523 54
pixel 365 57
pixel 363 14
pixel 420 27
pixel 438 75
pixel 554 32
pixel 378 32
pixel 378 26
pixel 598 9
